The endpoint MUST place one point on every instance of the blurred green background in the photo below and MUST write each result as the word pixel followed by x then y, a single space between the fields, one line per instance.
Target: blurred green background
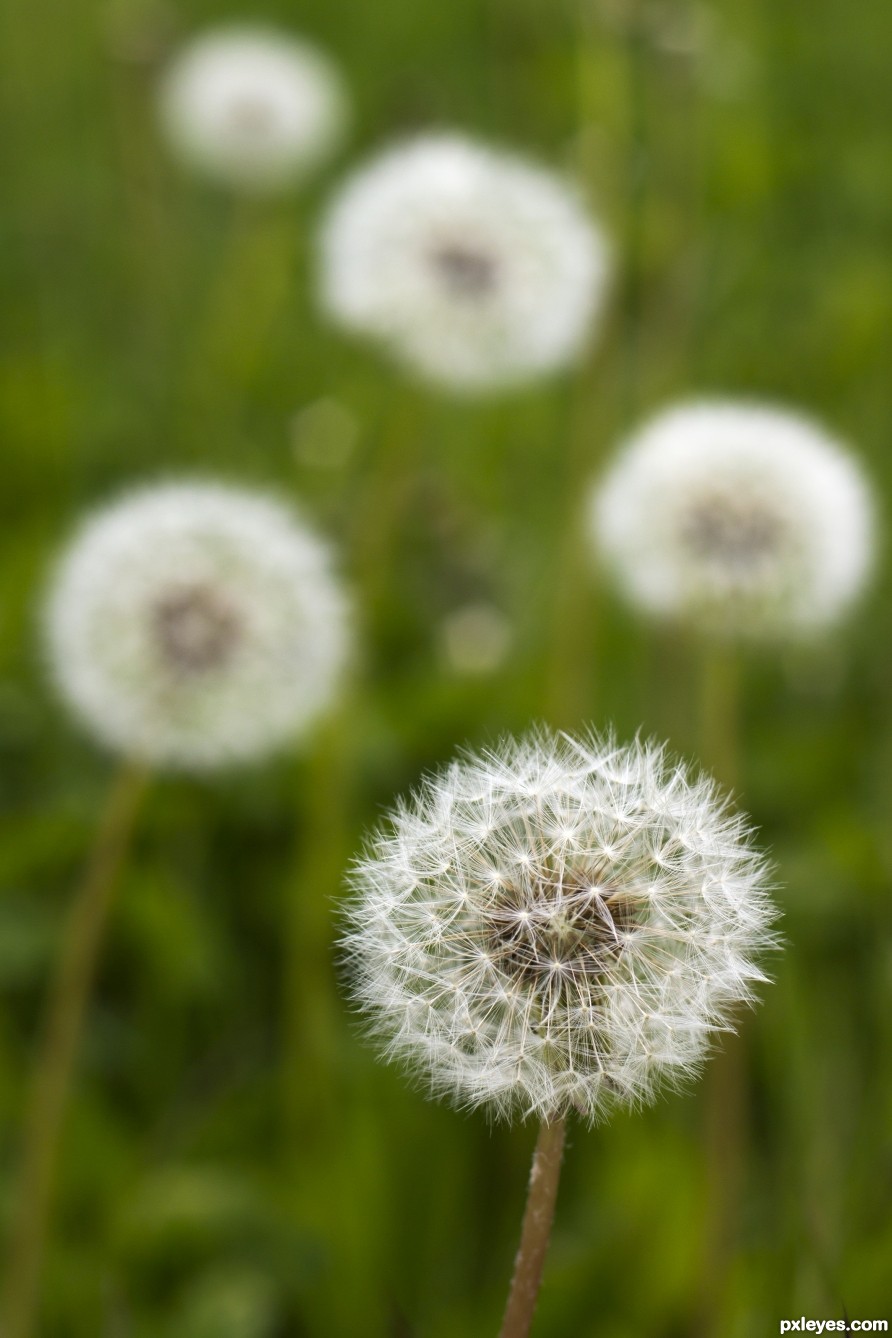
pixel 236 1163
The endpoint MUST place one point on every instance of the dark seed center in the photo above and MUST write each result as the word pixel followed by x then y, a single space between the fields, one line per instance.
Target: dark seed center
pixel 731 532
pixel 578 931
pixel 250 116
pixel 196 630
pixel 464 270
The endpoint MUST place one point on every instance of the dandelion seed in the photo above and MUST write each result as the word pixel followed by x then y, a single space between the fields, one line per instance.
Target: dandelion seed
pixel 253 108
pixel 558 925
pixel 194 625
pixel 744 520
pixel 477 269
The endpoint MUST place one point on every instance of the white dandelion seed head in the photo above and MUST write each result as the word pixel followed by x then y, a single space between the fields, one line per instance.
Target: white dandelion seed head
pixel 252 107
pixel 558 924
pixel 196 625
pixel 477 269
pixel 742 519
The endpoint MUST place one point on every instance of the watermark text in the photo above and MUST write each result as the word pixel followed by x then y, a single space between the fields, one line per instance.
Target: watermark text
pixel 804 1325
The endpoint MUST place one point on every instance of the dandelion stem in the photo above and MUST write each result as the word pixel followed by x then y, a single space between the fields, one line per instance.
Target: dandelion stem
pixel 537 1220
pixel 310 999
pixel 391 486
pixel 570 674
pixel 136 49
pixel 725 1131
pixel 58 1054
pixel 247 294
pixel 725 1121
pixel 719 714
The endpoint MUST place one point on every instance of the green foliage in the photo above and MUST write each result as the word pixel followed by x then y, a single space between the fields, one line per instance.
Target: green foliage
pixel 236 1164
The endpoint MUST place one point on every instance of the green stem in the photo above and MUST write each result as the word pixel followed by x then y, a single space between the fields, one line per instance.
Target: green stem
pixel 635 210
pixel 725 1094
pixel 250 289
pixel 137 48
pixel 389 489
pixel 719 711
pixel 536 1231
pixel 725 1137
pixel 58 1054
pixel 310 997
pixel 570 687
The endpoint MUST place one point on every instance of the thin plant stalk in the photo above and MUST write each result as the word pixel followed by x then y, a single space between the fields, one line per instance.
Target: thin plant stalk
pixel 310 1026
pixel 719 714
pixel 319 1100
pixel 637 136
pixel 230 337
pixel 725 1139
pixel 725 1092
pixel 58 1053
pixel 380 511
pixel 136 48
pixel 570 685
pixel 536 1231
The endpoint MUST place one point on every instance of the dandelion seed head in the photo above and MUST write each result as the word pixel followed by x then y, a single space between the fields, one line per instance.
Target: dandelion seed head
pixel 557 924
pixel 477 269
pixel 194 625
pixel 742 519
pixel 251 107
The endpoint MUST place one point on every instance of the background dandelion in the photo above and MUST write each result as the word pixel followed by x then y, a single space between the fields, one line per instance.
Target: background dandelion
pixel 190 625
pixel 196 625
pixel 474 267
pixel 252 107
pixel 744 523
pixel 742 519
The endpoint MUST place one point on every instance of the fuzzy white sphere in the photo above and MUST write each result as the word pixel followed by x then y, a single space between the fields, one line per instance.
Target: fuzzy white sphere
pixel 194 625
pixel 251 107
pixel 559 924
pixel 742 519
pixel 477 269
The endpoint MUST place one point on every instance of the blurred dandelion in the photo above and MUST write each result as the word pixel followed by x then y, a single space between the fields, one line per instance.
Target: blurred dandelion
pixel 191 625
pixel 557 925
pixel 477 269
pixel 251 107
pixel 743 520
pixel 746 524
pixel 194 625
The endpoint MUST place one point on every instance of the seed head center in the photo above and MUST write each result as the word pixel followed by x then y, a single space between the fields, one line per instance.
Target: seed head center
pixel 576 929
pixel 733 531
pixel 196 630
pixel 250 116
pixel 465 271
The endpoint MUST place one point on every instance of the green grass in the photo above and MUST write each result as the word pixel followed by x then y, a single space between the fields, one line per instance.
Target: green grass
pixel 210 1188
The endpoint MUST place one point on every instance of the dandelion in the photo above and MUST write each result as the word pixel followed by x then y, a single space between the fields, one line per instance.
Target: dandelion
pixel 744 520
pixel 190 625
pixel 748 524
pixel 558 925
pixel 253 108
pixel 475 268
pixel 194 625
